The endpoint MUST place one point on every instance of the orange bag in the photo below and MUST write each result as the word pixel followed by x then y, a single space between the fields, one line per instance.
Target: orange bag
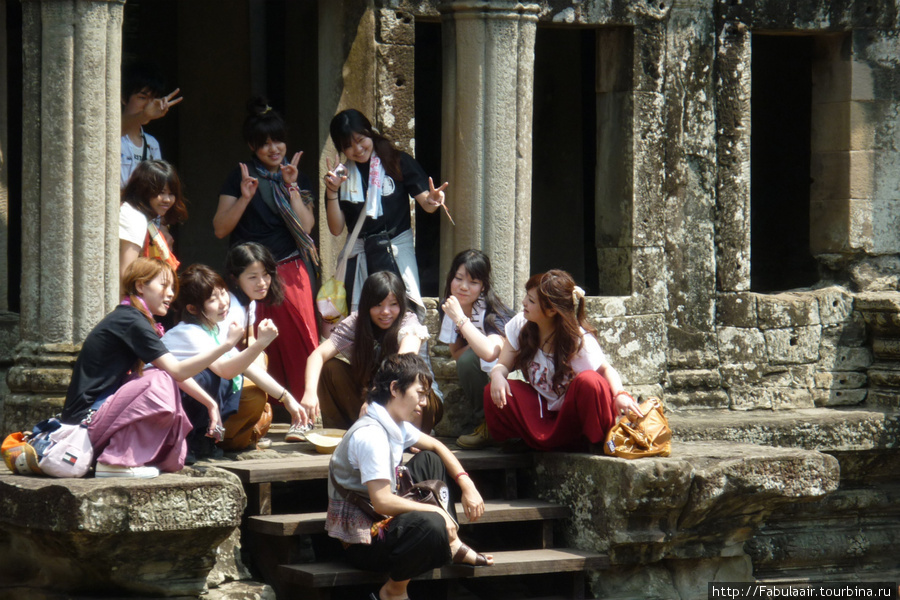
pixel 649 435
pixel 20 456
pixel 155 246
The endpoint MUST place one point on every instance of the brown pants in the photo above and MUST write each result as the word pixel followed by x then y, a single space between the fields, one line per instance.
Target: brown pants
pixel 252 420
pixel 341 397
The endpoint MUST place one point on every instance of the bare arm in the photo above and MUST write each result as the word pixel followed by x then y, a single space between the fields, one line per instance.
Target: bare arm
pixel 193 389
pixel 314 364
pixel 231 367
pixel 333 213
pixel 487 347
pixel 304 212
pixel 432 199
pixel 231 209
pixel 622 400
pixel 500 389
pixel 128 251
pixel 260 377
pixel 472 502
pixel 410 344
pixel 183 369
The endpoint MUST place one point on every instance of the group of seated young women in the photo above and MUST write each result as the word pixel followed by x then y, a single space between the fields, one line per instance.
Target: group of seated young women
pixel 155 401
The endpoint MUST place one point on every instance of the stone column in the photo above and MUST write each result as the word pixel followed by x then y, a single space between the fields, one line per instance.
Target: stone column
pixel 488 80
pixel 70 200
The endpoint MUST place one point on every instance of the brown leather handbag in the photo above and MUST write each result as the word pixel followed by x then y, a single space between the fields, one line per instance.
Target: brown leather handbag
pixel 637 437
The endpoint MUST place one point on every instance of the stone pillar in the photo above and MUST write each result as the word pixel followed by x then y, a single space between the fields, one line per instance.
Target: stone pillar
pixel 488 79
pixel 70 207
pixel 347 75
pixel 4 163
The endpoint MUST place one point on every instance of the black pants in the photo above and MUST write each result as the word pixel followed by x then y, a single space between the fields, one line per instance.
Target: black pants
pixel 412 543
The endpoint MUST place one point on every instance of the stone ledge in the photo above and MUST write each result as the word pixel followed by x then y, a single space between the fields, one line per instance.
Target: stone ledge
pixel 121 535
pixel 823 429
pixel 692 510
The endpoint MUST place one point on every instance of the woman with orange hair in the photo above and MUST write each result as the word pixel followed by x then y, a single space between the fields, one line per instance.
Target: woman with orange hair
pixel 134 412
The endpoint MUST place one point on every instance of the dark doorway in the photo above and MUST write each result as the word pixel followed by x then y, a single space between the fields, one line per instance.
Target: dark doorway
pixel 564 154
pixel 781 105
pixel 428 74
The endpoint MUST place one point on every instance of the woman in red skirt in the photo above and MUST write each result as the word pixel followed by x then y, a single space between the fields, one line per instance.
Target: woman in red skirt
pixel 573 394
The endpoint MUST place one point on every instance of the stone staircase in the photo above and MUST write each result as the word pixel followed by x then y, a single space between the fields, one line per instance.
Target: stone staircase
pixel 284 531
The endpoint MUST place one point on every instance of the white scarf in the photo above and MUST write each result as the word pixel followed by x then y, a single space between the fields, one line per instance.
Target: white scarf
pixel 351 191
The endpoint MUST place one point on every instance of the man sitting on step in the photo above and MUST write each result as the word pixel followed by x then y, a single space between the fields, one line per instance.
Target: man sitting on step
pixel 382 530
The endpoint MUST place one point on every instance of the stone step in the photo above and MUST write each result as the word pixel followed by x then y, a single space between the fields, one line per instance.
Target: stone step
pixel 307 466
pixel 821 429
pixel 496 511
pixel 258 475
pixel 518 562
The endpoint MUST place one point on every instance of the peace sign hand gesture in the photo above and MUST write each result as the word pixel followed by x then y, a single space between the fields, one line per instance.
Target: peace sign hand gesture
pixel 160 106
pixel 336 176
pixel 289 172
pixel 436 196
pixel 248 184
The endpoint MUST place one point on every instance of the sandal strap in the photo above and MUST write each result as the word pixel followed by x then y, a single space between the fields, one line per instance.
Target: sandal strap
pixel 460 555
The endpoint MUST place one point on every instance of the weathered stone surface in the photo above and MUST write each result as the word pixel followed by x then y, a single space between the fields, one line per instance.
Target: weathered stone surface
pixel 851 333
pixel 840 380
pixel 839 397
pixel 229 567
pixel 694 378
pixel 787 310
pixel 396 27
pixel 854 529
pixel 737 310
pixel 117 535
pixel 811 429
pixel 843 358
pixel 458 417
pixel 794 345
pixel 741 345
pixel 835 305
pixel 634 346
pixel 241 590
pixel 704 502
pixel 697 399
pixel 771 397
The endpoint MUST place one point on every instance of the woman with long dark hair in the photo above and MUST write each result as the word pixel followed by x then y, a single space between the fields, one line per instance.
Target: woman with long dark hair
pixel 572 394
pixel 474 326
pixel 268 201
pixel 383 326
pixel 375 186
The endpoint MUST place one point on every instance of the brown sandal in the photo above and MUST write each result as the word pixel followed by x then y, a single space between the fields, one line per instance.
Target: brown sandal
pixel 459 557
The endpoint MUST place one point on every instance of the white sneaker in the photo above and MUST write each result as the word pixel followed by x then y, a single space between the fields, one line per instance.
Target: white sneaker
pixel 104 470
pixel 297 433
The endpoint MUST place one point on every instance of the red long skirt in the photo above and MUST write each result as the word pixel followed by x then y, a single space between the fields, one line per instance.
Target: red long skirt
pixel 296 322
pixel 587 413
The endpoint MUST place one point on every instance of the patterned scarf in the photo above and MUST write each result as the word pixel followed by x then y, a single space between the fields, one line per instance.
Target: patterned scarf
pixel 282 195
pixel 160 330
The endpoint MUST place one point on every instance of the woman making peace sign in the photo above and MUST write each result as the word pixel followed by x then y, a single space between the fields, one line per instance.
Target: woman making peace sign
pixel 376 185
pixel 267 201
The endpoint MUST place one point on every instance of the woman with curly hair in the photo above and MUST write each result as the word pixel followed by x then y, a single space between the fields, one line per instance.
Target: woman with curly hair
pixel 572 394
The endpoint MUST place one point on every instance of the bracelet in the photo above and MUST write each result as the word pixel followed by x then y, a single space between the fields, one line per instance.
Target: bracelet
pixel 460 474
pixel 283 393
pixel 623 393
pixel 327 197
pixel 294 186
pixel 461 323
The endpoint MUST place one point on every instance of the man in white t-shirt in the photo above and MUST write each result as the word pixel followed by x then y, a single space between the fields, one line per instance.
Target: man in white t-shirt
pixel 142 102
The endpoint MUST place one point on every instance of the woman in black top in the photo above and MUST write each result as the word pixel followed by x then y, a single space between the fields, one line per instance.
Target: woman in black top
pixel 268 201
pixel 377 182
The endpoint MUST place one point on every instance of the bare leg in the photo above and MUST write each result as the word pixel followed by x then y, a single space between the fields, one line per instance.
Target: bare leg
pixel 394 590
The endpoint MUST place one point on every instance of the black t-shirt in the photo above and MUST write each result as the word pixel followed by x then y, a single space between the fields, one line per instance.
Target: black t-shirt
pixel 110 351
pixel 394 201
pixel 259 223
